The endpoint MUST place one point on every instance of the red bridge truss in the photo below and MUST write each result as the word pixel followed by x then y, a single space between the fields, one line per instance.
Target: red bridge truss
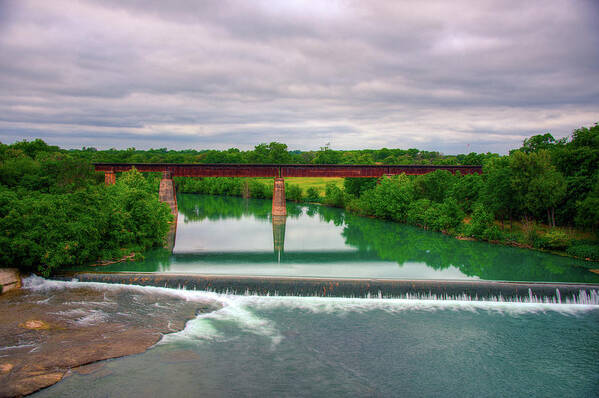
pixel 281 170
pixel 278 171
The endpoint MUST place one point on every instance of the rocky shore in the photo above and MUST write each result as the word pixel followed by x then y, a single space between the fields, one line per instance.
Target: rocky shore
pixel 47 332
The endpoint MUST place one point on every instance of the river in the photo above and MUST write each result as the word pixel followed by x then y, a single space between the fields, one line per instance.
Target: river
pixel 233 236
pixel 323 346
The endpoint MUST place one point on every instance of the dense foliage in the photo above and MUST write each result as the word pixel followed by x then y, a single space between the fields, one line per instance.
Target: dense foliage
pixel 555 182
pixel 56 212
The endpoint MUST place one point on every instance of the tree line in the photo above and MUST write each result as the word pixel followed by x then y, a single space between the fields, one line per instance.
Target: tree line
pixel 546 181
pixel 279 153
pixel 55 210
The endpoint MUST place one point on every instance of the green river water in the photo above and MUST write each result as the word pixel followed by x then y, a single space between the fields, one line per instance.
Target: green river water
pixel 234 236
pixel 269 346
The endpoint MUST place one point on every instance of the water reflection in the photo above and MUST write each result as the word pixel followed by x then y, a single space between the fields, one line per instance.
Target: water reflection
pixel 278 235
pixel 223 235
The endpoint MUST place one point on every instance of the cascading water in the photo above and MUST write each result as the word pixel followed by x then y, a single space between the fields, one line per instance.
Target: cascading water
pixel 306 346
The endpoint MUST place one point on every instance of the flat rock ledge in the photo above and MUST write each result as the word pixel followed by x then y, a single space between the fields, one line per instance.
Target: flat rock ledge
pixel 10 279
pixel 44 334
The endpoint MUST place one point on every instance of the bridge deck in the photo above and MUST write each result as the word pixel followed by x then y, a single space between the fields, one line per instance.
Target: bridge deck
pixel 281 170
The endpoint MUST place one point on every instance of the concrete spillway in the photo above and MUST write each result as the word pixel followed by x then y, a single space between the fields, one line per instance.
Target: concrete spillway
pixel 383 288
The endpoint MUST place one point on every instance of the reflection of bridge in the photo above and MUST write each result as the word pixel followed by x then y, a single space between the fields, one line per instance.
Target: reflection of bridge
pixel 278 171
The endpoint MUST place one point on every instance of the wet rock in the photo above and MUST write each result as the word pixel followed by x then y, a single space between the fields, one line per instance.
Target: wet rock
pixel 97 370
pixel 10 279
pixel 6 367
pixel 46 333
pixel 35 324
pixel 89 369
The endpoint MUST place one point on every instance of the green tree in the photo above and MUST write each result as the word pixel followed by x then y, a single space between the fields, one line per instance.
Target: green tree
pixel 536 183
pixel 434 186
pixel 392 197
pixel 355 186
pixel 538 142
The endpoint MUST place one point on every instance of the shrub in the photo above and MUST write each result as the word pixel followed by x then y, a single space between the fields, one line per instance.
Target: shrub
pixel 312 195
pixel 492 233
pixel 584 250
pixel 481 220
pixel 334 195
pixel 364 205
pixel 293 192
pixel 392 198
pixel 44 232
pixel 532 235
pixel 556 239
pixel 416 212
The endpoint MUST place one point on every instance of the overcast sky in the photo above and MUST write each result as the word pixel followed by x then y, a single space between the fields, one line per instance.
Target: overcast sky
pixel 452 76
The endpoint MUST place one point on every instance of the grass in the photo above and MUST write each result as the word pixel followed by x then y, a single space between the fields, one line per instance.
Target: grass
pixel 572 233
pixel 319 183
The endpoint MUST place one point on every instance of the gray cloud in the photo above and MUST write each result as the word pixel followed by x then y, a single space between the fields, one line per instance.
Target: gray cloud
pixel 437 75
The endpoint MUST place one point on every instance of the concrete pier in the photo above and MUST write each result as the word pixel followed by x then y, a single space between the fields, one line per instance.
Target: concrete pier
pixel 167 193
pixel 279 207
pixel 109 178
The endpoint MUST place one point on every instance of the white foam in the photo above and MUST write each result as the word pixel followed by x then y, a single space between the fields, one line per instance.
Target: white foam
pixel 240 310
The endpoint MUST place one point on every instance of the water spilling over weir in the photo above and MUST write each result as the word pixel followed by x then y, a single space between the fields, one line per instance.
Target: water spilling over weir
pixel 251 345
pixel 359 288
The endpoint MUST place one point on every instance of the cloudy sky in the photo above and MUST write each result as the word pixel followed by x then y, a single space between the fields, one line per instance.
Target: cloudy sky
pixel 452 76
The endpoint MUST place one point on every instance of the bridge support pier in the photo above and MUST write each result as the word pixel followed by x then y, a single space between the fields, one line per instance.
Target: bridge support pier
pixel 109 178
pixel 167 193
pixel 279 207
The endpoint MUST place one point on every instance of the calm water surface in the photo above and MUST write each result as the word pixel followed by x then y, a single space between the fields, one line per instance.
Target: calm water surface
pixel 233 236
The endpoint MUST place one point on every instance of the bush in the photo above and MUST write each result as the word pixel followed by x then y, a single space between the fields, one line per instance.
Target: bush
pixel 356 186
pixel 364 205
pixel 334 195
pixel 584 250
pixel 45 232
pixel 532 236
pixel 416 212
pixel 312 195
pixel 293 192
pixel 492 233
pixel 556 239
pixel 391 198
pixel 482 219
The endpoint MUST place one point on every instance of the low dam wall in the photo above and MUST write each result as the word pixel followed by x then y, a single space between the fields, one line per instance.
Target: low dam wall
pixel 384 288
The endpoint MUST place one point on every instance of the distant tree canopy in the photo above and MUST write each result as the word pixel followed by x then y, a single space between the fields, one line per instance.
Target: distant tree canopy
pixel 274 152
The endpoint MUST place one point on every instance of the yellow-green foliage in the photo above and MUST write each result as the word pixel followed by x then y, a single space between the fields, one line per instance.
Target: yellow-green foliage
pixel 318 183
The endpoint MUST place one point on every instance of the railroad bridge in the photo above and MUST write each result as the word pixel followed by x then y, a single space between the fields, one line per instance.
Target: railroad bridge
pixel 276 171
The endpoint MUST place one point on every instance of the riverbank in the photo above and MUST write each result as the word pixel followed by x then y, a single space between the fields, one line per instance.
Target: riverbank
pixel 480 226
pixel 50 329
